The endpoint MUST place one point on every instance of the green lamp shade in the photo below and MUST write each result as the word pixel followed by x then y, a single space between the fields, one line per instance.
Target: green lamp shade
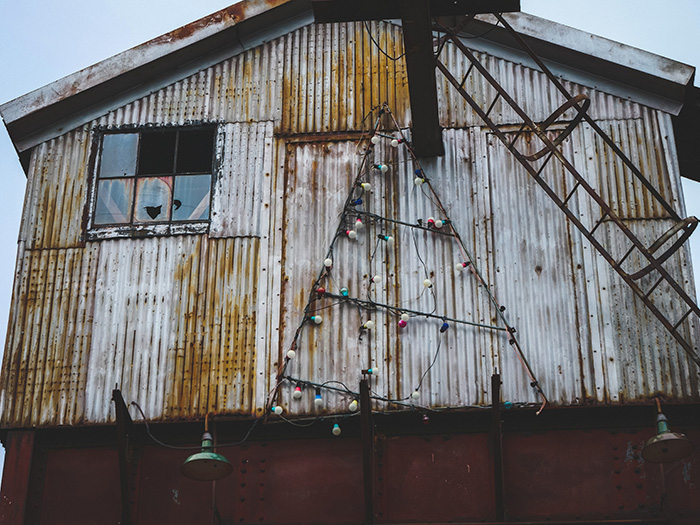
pixel 666 446
pixel 206 465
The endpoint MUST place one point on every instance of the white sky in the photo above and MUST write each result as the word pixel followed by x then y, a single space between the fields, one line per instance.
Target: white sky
pixel 42 41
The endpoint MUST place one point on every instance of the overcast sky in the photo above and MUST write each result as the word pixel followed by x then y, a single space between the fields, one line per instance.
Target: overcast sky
pixel 42 41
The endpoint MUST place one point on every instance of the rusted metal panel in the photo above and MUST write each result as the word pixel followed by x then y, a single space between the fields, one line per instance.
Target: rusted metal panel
pixel 48 341
pixel 175 326
pixel 56 192
pixel 14 497
pixel 334 75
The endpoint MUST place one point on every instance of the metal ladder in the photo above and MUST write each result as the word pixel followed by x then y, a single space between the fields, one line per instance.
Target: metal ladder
pixel 676 235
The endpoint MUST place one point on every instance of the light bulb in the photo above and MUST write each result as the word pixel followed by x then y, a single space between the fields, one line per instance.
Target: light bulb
pixel 439 223
pixel 344 292
pixel 321 291
pixel 402 323
pixel 415 395
pixel 291 354
pixel 359 225
pixel 366 186
pixel 427 283
pixel 375 139
pixel 374 371
pixel 356 202
pixel 405 316
pixel 377 279
pixel 353 405
pixel 368 325
pixel 297 393
pixel 336 430
pixel 431 221
pixel 318 400
pixel 352 234
pixel 278 410
pixel 418 181
pixel 390 240
pixel 444 327
pixel 317 319
pixel 395 143
pixel 384 168
pixel 328 263
pixel 460 266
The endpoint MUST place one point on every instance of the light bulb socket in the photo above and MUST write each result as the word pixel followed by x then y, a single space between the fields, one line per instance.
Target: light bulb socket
pixel 444 327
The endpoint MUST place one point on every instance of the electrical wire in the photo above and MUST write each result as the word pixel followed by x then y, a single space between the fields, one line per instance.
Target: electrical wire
pixel 380 47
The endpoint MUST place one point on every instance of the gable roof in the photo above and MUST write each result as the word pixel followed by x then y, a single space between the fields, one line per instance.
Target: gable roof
pixel 574 55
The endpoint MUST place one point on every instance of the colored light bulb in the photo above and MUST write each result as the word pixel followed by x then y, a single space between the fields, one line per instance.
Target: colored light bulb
pixel 321 291
pixel 356 202
pixel 291 354
pixel 297 393
pixel 374 371
pixel 431 221
pixel 368 325
pixel 366 186
pixel 317 319
pixel 318 400
pixel 390 240
pixel 444 327
pixel 353 405
pixel 402 323
pixel 336 430
pixel 415 395
pixel 328 263
pixel 358 224
pixel 344 292
pixel 426 419
pixel 427 283
pixel 351 234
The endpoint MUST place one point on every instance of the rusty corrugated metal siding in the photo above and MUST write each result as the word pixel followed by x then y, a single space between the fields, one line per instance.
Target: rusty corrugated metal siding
pixel 195 323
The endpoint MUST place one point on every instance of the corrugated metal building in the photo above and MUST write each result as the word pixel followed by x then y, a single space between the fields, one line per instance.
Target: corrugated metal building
pixel 189 315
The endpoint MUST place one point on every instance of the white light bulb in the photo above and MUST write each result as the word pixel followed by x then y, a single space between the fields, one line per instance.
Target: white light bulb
pixel 375 139
pixel 352 234
pixel 369 325
pixel 384 168
pixel 439 223
pixel 418 181
pixel 336 430
pixel 318 401
pixel 390 240
pixel 405 316
pixel 366 186
pixel 459 267
pixel 377 279
pixel 415 395
pixel 278 410
pixel 353 406
pixel 291 354
pixel 328 262
pixel 427 283
pixel 395 143
pixel 297 393
pixel 374 370
pixel 317 319
pixel 358 225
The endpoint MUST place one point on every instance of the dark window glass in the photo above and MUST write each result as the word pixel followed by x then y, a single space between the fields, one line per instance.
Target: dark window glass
pixel 157 153
pixel 194 151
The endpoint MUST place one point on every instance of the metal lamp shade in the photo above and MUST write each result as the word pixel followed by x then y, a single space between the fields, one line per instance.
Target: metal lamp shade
pixel 206 465
pixel 666 446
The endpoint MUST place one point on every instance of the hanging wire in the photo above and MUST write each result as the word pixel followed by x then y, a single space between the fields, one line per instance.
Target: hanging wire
pixel 369 33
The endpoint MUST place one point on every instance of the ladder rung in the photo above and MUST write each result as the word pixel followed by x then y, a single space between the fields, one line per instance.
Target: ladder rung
pixel 600 221
pixel 571 193
pixel 682 319
pixel 653 287
pixel 466 75
pixel 619 263
pixel 498 95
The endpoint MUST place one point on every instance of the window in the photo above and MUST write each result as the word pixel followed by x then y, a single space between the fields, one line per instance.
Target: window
pixel 154 177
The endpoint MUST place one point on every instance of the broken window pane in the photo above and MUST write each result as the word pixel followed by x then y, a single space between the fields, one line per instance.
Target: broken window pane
pixel 119 154
pixel 153 196
pixel 194 151
pixel 157 154
pixel 191 197
pixel 114 198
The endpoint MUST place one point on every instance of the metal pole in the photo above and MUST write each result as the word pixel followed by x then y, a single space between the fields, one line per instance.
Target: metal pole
pixel 497 442
pixel 367 449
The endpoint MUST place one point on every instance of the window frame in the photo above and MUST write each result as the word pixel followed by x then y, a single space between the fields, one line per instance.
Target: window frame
pixel 157 228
